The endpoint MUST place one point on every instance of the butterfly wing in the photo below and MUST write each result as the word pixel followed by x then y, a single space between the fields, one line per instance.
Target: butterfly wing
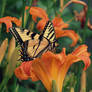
pixel 32 44
pixel 49 32
pixel 38 47
pixel 21 35
pixel 46 41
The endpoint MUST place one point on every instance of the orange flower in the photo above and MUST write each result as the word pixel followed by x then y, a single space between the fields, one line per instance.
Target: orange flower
pixel 52 67
pixel 8 21
pixel 58 24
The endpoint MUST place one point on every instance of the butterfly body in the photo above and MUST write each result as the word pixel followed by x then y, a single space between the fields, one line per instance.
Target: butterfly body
pixel 33 44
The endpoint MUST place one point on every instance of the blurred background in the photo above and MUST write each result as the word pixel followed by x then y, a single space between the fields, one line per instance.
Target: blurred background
pixel 15 8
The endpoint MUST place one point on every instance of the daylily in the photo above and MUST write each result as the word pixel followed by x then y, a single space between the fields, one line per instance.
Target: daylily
pixel 8 21
pixel 58 24
pixel 52 67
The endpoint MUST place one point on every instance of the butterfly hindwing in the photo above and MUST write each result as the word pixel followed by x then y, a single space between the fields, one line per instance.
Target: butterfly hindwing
pixel 38 47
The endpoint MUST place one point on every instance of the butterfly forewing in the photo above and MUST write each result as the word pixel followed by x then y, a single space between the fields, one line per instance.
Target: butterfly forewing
pixel 49 32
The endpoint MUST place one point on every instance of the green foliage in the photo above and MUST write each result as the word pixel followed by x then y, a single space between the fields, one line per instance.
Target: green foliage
pixel 15 8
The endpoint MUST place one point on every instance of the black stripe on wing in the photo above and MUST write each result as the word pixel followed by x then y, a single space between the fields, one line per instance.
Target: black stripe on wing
pixel 23 52
pixel 33 35
pixel 49 32
pixel 48 24
pixel 42 51
pixel 14 32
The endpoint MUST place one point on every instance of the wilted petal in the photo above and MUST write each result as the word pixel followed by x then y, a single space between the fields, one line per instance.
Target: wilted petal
pixel 89 25
pixel 11 66
pixel 68 33
pixel 3 48
pixel 11 48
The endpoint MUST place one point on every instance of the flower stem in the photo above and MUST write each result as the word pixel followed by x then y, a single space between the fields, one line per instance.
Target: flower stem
pixel 17 88
pixel 4 82
pixel 85 28
pixel 3 7
pixel 54 86
pixel 30 3
pixel 78 75
pixel 23 13
pixel 2 12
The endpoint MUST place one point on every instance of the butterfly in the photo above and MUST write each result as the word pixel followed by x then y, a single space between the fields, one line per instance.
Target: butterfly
pixel 33 45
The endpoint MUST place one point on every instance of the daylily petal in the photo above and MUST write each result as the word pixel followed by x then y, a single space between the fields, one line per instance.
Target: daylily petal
pixel 58 23
pixel 20 74
pixel 34 18
pixel 14 20
pixel 47 71
pixel 38 12
pixel 69 33
pixel 27 7
pixel 20 71
pixel 62 72
pixel 24 71
pixel 41 24
pixel 8 21
pixel 81 52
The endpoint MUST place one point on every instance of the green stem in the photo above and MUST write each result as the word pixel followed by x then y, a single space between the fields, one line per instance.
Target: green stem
pixel 78 72
pixel 3 8
pixel 28 13
pixel 55 7
pixel 4 82
pixel 23 13
pixel 2 12
pixel 54 86
pixel 17 88
pixel 85 28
